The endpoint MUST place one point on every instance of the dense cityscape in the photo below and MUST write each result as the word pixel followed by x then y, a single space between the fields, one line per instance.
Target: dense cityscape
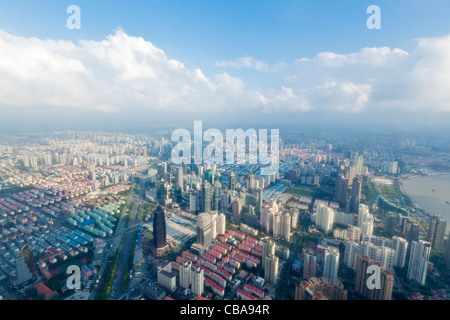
pixel 142 228
pixel 236 158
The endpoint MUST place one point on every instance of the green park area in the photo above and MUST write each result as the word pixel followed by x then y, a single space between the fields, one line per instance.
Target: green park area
pixel 300 192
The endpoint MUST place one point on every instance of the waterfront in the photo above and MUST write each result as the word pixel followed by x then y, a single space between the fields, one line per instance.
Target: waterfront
pixel 431 193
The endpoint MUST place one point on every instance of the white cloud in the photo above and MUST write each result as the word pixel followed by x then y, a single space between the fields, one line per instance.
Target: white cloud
pixel 373 57
pixel 123 73
pixel 251 63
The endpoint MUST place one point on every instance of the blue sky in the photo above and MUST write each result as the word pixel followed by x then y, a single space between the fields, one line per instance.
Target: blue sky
pixel 201 34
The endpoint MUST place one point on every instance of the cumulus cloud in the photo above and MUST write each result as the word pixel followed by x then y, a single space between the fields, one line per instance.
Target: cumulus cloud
pixel 124 73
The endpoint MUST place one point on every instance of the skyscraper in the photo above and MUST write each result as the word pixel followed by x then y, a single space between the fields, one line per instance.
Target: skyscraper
pixel 390 222
pixel 356 194
pixel 365 220
pixel 185 274
pixel 236 209
pixel 180 182
pixel 436 233
pixel 447 252
pixel 331 264
pixel 341 189
pixel 364 277
pixel 309 264
pixel 418 261
pixel 159 228
pixel 325 218
pixel 204 231
pixel 197 280
pixel 271 270
pixel 207 194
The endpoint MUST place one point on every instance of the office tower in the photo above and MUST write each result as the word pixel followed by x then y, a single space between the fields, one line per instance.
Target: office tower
pixel 325 218
pixel 92 175
pixel 207 193
pixel 309 264
pixel 236 209
pixel 390 222
pixel 286 226
pixel 221 224
pixel 418 261
pixel 400 246
pixel 180 181
pixel 341 189
pixel 436 233
pixel 352 172
pixel 197 280
pixel 356 195
pixel 309 290
pixel 414 233
pixel 159 229
pixel 264 219
pixel 232 181
pixel 194 202
pixel 365 220
pixel 331 264
pixel 204 232
pixel 260 200
pixel 185 274
pixel 364 277
pixel 389 167
pixel 271 270
pixel 359 165
pixel 354 233
pixel 276 225
pixel 214 216
pixel 447 252
pixel 217 196
pixel 209 176
pixel 268 250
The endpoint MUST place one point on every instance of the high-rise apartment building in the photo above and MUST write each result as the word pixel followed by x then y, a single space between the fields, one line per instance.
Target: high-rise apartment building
pixel 309 264
pixel 436 233
pixel 331 264
pixel 418 261
pixel 366 286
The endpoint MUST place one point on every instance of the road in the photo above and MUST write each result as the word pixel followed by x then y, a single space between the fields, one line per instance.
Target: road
pixel 116 242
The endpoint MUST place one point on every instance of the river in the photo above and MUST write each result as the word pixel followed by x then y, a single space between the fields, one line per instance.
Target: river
pixel 431 194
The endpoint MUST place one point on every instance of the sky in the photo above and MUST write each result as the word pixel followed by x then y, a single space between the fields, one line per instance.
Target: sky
pixel 247 62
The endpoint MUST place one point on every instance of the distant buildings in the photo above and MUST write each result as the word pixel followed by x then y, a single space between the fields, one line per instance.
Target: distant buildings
pixel 341 189
pixel 436 233
pixel 389 167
